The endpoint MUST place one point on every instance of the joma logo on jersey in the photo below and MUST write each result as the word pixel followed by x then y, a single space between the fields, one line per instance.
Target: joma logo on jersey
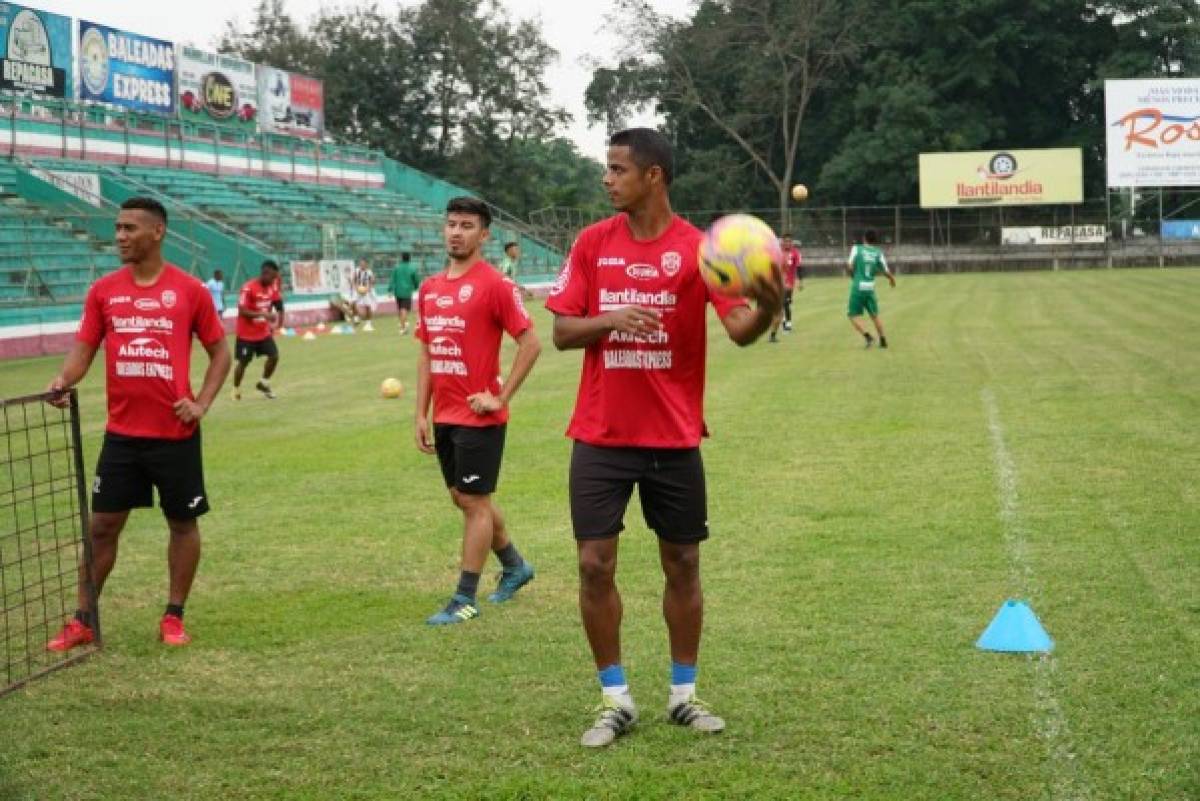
pixel 115 299
pixel 610 261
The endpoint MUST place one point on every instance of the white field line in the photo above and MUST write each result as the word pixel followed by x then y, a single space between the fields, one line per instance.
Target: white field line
pixel 1067 781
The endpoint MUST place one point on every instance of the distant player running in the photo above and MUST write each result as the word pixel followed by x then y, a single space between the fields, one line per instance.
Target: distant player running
pixel 402 284
pixel 462 314
pixel 793 279
pixel 260 314
pixel 632 297
pixel 146 315
pixel 865 261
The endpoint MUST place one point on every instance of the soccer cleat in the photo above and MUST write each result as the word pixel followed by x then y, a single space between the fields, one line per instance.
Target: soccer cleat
pixel 511 581
pixel 236 393
pixel 870 341
pixel 73 635
pixel 265 388
pixel 883 342
pixel 170 631
pixel 368 327
pixel 694 714
pixel 459 610
pixel 787 326
pixel 612 721
pixel 773 338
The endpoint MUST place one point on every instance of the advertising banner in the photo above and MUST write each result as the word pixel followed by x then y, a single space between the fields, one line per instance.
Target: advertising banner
pixel 35 51
pixel 1001 178
pixel 1181 229
pixel 1054 235
pixel 1153 132
pixel 83 185
pixel 216 88
pixel 290 104
pixel 126 69
pixel 325 277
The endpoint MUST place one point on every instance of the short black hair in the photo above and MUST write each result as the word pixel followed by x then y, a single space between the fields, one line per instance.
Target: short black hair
pixel 508 245
pixel 143 203
pixel 218 274
pixel 270 264
pixel 406 256
pixel 465 204
pixel 648 148
pixel 870 236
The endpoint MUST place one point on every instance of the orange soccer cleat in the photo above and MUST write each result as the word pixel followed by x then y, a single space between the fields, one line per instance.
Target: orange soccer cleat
pixel 73 635
pixel 171 632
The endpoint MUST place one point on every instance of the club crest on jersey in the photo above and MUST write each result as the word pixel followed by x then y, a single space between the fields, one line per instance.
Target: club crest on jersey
pixel 671 262
pixel 168 298
pixel 465 292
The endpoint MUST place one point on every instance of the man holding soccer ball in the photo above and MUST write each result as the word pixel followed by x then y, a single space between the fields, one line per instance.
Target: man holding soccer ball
pixel 631 296
pixel 363 281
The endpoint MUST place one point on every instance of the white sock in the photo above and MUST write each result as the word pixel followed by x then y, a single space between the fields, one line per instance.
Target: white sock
pixel 620 694
pixel 680 693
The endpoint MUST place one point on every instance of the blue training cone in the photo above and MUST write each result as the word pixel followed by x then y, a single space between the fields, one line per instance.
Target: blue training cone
pixel 1015 629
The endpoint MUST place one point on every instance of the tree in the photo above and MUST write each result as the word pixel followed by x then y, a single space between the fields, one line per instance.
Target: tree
pixel 749 68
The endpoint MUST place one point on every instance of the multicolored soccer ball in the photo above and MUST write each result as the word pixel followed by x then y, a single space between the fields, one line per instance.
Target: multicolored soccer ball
pixel 391 388
pixel 736 251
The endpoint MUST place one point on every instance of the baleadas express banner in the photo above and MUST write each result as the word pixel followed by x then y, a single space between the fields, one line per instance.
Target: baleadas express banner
pixel 126 69
pixel 216 88
pixel 35 51
pixel 1001 178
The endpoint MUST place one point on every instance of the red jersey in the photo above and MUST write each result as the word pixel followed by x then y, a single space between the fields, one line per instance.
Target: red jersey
pixel 460 320
pixel 255 297
pixel 147 336
pixel 791 267
pixel 640 390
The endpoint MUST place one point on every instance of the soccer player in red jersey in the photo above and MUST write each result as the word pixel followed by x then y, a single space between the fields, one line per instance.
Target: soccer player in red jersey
pixel 631 295
pixel 461 315
pixel 793 278
pixel 260 315
pixel 145 314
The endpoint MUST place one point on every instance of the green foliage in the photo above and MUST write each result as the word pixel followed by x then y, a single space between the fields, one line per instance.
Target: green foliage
pixel 909 77
pixel 452 87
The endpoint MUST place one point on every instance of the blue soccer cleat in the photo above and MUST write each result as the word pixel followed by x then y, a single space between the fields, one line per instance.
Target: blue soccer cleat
pixel 511 581
pixel 459 610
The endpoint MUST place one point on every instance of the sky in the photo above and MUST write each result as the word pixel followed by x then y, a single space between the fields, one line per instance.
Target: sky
pixel 573 27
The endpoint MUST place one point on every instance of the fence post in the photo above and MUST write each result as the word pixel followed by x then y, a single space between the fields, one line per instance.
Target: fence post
pixel 897 226
pixel 1161 256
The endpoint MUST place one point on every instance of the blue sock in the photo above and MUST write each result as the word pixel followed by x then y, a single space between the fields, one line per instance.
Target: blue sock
pixel 612 680
pixel 682 674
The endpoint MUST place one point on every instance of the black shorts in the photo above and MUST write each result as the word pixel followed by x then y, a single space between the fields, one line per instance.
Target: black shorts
pixel 670 484
pixel 403 303
pixel 130 467
pixel 470 456
pixel 245 350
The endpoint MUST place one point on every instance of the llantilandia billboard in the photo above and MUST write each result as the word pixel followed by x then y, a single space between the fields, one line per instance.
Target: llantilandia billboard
pixel 1001 178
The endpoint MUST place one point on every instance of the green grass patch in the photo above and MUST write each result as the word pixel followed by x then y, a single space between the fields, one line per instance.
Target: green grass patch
pixel 857 553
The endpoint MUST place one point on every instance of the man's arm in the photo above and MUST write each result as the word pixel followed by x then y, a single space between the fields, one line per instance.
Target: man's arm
pixel 891 277
pixel 219 361
pixel 424 396
pixel 745 325
pixel 278 307
pixel 528 349
pixel 849 268
pixel 580 332
pixel 75 366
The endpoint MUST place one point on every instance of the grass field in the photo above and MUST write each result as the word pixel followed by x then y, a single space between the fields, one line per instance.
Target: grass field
pixel 1032 436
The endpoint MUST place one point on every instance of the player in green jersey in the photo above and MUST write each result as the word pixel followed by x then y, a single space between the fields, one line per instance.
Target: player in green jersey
pixel 865 261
